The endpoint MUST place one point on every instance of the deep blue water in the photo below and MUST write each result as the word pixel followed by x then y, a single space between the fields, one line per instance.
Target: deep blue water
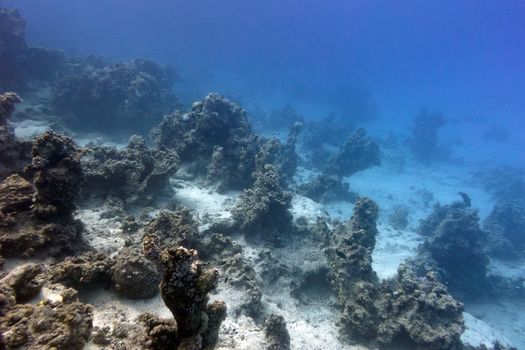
pixel 365 60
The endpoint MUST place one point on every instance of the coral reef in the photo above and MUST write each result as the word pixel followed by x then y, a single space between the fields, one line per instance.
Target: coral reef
pixel 173 229
pixel 506 230
pixel 134 276
pixel 424 142
pixel 14 154
pixel 456 242
pixel 184 288
pixel 358 153
pixel 214 139
pixel 123 97
pixel 134 174
pixel 62 324
pixel 264 208
pixel 25 280
pixel 49 222
pixel 406 311
pixel 88 269
pixel 56 164
pixel 283 118
pixel 276 333
pixel 281 155
pixel 325 188
pixel 20 64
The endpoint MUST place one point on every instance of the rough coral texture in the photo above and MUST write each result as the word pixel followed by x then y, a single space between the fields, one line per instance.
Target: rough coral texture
pixel 134 174
pixel 134 276
pixel 506 229
pixel 419 313
pixel 14 154
pixel 456 242
pixel 88 269
pixel 64 324
pixel 281 155
pixel 184 288
pixel 56 164
pixel 16 195
pixel 264 208
pixel 214 139
pixel 129 97
pixel 406 311
pixel 19 63
pixel 25 280
pixel 358 153
pixel 173 229
pixel 325 188
pixel 276 333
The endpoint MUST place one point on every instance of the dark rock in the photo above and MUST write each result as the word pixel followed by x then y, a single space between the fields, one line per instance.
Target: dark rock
pixel 134 276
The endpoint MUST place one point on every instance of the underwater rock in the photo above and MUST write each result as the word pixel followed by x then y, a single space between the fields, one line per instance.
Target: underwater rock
pixel 56 164
pixel 405 311
pixel 88 269
pixel 214 139
pixel 424 142
pixel 127 97
pixel 506 230
pixel 504 183
pixel 134 276
pixel 331 130
pixel 134 174
pixel 358 153
pixel 64 324
pixel 276 333
pixel 184 288
pixel 325 188
pixel 456 242
pixel 264 208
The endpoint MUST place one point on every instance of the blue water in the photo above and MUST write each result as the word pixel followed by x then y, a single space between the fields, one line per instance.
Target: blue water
pixel 365 60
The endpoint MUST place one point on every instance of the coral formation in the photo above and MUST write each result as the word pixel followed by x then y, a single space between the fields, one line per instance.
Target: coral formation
pixel 123 97
pixel 424 142
pixel 173 229
pixel 276 333
pixel 214 139
pixel 405 311
pixel 506 230
pixel 61 324
pixel 358 153
pixel 14 154
pixel 56 164
pixel 456 242
pixel 134 276
pixel 283 118
pixel 325 188
pixel 184 288
pixel 134 174
pixel 49 222
pixel 89 269
pixel 264 208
